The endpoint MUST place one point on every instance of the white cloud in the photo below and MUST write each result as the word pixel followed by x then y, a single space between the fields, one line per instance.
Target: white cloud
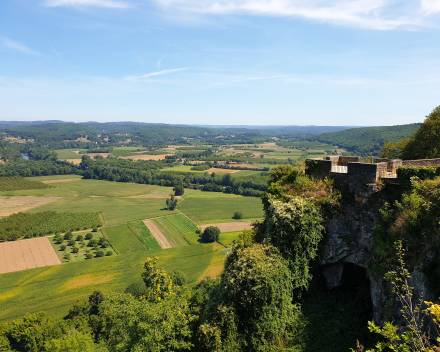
pixel 152 74
pixel 10 44
pixel 376 14
pixel 430 6
pixel 83 3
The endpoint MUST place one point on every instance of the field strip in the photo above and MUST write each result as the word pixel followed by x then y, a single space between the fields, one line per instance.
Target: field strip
pixel 62 180
pixel 157 234
pixel 230 226
pixel 16 204
pixel 26 254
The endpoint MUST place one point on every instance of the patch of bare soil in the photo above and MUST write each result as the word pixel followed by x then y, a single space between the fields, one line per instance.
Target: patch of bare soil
pixel 26 254
pixel 230 226
pixel 61 180
pixel 13 205
pixel 157 234
pixel 221 171
pixel 146 157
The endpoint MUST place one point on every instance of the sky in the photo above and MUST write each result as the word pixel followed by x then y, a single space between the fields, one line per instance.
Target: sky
pixel 220 62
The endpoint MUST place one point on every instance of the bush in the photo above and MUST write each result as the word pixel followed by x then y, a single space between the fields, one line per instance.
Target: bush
pixel 67 256
pixel 105 244
pixel 71 242
pixel 211 234
pixel 136 290
pixel 89 236
pixel 179 278
pixel 109 253
pixel 68 235
pixel 79 237
pixel 238 215
pixel 63 247
pixel 100 253
pixel 75 249
pixel 89 255
pixel 95 229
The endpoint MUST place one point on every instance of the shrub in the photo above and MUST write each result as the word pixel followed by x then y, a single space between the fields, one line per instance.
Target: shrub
pixel 109 253
pixel 63 247
pixel 71 242
pixel 67 256
pixel 136 290
pixel 79 237
pixel 105 244
pixel 75 249
pixel 211 234
pixel 179 278
pixel 89 255
pixel 95 229
pixel 89 236
pixel 238 215
pixel 100 253
pixel 68 235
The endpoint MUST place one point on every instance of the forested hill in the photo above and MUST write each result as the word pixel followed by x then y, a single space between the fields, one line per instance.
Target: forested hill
pixel 362 141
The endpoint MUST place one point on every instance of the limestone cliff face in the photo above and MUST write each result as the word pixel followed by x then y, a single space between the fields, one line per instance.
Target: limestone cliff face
pixel 349 240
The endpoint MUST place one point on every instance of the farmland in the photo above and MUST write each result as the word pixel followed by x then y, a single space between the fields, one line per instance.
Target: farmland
pixel 123 207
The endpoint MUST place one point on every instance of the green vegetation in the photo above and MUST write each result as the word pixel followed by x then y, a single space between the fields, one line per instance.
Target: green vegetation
pixel 210 234
pixel 45 223
pixel 123 239
pixel 18 183
pixel 172 233
pixel 366 140
pixel 143 233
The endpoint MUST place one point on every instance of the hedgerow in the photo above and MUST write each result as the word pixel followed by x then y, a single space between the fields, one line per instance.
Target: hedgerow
pixel 45 223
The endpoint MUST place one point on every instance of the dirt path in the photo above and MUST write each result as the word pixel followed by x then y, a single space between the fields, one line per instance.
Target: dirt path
pixel 61 180
pixel 26 254
pixel 230 226
pixel 157 234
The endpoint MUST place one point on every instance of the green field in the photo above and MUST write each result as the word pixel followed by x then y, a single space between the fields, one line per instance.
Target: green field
pixel 207 207
pixel 56 288
pixel 143 233
pixel 123 239
pixel 172 234
pixel 68 154
pixel 227 238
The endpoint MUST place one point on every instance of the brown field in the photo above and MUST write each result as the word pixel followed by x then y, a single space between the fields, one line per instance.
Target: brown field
pixel 26 254
pixel 75 161
pixel 92 155
pixel 146 157
pixel 62 180
pixel 13 205
pixel 230 226
pixel 221 171
pixel 157 234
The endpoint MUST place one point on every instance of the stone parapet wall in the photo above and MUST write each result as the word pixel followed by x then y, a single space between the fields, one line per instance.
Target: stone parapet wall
pixel 421 162
pixel 363 173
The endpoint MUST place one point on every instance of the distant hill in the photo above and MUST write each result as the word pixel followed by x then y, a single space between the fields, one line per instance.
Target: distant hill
pixel 365 140
pixel 278 129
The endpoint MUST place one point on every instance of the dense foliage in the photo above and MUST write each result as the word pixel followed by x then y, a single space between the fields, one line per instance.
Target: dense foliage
pixel 44 223
pixel 18 183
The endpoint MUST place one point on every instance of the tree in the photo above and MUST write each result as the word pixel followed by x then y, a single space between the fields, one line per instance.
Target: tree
pixel 89 256
pixel 171 203
pixel 211 234
pixel 79 237
pixel 89 236
pixel 99 253
pixel 68 235
pixel 75 249
pixel 178 190
pixel 238 215
pixel 251 309
pixel 109 253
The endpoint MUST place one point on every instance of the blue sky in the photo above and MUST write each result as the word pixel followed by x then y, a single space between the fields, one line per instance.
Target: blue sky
pixel 277 62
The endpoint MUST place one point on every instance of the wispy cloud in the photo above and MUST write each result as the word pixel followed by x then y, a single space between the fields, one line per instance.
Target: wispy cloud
pixel 373 14
pixel 85 3
pixel 54 51
pixel 152 74
pixel 10 44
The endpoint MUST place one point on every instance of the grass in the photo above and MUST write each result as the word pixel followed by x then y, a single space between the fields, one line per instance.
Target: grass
pixel 55 177
pixel 246 173
pixel 56 288
pixel 209 207
pixel 68 154
pixel 182 223
pixel 110 198
pixel 143 233
pixel 227 238
pixel 172 234
pixel 80 256
pixel 123 239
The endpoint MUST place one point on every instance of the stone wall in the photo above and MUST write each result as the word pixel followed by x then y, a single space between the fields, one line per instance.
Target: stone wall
pixel 421 162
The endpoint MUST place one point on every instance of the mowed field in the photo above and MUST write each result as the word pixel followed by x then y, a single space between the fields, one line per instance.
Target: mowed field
pixel 124 208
